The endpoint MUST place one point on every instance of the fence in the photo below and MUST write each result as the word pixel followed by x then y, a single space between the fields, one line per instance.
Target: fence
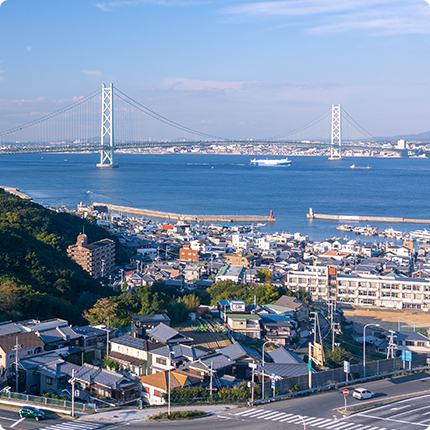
pixel 44 401
pixel 333 376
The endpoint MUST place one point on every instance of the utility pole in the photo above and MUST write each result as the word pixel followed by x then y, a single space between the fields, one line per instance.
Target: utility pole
pixel 16 348
pixel 391 345
pixel 310 365
pixel 72 381
pixel 211 384
pixel 107 338
pixel 253 379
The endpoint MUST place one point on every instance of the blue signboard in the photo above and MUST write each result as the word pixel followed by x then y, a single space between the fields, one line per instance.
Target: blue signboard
pixel 406 355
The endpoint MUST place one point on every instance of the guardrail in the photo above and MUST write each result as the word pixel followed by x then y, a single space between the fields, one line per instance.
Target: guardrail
pixel 339 384
pixel 44 401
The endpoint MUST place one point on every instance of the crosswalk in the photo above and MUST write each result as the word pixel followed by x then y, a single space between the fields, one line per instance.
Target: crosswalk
pixel 321 423
pixel 74 425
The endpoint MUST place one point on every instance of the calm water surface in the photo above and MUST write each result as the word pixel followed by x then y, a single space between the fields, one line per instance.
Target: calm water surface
pixel 228 184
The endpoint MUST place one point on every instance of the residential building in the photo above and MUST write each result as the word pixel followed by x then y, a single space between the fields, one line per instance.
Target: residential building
pixel 141 323
pixel 188 254
pixel 97 258
pixel 132 354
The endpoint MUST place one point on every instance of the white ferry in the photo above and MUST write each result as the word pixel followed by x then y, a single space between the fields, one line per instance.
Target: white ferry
pixel 281 162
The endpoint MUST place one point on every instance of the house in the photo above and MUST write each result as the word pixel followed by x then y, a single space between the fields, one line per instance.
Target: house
pixel 141 323
pixel 106 384
pixel 29 377
pixel 29 344
pixel 173 356
pixel 55 333
pixel 156 385
pixel 231 273
pixel 412 341
pixel 278 328
pixel 132 354
pixel 284 363
pixel 301 310
pixel 167 335
pixel 243 326
pixel 188 254
pixel 55 376
pixel 231 306
pixel 242 356
pixel 93 342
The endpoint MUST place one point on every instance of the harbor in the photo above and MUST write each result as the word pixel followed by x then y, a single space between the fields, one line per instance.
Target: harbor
pixel 187 218
pixel 355 218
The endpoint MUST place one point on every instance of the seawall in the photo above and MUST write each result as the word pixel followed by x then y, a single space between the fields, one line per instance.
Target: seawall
pixel 188 218
pixel 343 218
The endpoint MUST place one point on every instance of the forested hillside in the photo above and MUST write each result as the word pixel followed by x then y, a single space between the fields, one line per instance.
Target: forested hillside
pixel 37 279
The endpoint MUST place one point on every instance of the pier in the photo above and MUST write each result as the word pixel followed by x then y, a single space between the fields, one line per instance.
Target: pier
pixel 343 218
pixel 16 192
pixel 187 218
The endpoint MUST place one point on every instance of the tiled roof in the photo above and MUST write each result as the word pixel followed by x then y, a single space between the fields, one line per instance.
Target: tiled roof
pixel 283 356
pixel 40 359
pixel 134 342
pixel 88 331
pixel 179 350
pixel 26 340
pixel 8 327
pixel 178 378
pixel 217 361
pixel 237 351
pixel 100 376
pixel 58 334
pixel 164 333
pixel 58 369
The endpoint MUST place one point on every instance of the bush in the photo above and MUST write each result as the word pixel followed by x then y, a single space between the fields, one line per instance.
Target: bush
pixel 175 415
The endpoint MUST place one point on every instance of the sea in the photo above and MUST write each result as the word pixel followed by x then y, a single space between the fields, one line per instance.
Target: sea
pixel 200 184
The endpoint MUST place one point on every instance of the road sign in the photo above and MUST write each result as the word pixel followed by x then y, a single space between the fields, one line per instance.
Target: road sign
pixel 346 366
pixel 406 355
pixel 273 384
pixel 252 365
pixel 345 392
pixel 428 360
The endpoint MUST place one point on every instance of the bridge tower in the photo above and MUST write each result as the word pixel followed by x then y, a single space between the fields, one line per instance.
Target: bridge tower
pixel 336 137
pixel 106 140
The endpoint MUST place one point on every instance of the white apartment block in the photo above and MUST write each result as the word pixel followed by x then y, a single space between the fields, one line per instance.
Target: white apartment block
pixel 362 290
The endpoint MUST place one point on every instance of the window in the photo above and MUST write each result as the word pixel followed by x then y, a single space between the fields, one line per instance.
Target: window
pixel 160 360
pixel 49 380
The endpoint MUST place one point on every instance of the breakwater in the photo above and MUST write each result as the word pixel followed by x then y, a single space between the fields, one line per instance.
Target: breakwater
pixel 344 218
pixel 16 192
pixel 187 218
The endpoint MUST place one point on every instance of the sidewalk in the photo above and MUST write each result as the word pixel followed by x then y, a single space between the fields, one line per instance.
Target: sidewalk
pixel 136 415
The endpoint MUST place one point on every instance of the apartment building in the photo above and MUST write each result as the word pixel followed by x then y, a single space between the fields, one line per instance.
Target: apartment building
pixel 324 283
pixel 97 258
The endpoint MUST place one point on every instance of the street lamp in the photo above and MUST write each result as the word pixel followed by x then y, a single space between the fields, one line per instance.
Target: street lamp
pixel 364 347
pixel 171 353
pixel 262 385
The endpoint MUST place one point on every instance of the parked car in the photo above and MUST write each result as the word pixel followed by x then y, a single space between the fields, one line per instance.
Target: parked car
pixel 362 394
pixel 31 412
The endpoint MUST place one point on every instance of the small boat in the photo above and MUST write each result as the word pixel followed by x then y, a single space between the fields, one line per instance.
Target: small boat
pixel 281 162
pixel 353 166
pixel 344 227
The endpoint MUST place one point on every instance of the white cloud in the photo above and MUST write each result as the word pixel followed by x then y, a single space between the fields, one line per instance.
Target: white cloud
pixel 184 84
pixel 29 48
pixel 92 73
pixel 383 17
pixel 2 1
pixel 111 5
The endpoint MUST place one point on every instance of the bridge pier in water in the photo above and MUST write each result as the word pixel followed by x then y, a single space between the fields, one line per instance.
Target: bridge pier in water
pixel 107 139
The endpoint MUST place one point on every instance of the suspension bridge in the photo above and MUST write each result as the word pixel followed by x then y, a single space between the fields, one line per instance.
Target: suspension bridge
pixel 125 124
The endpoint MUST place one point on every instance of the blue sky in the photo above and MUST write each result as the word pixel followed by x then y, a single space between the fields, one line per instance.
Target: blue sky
pixel 235 68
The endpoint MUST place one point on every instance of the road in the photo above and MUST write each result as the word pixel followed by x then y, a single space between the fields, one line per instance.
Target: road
pixel 316 412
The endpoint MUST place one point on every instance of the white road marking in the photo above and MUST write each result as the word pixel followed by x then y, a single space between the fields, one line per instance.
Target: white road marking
pixel 410 411
pixel 341 426
pixel 402 407
pixel 277 414
pixel 389 419
pixel 267 415
pixel 285 416
pixel 291 419
pixel 329 423
pixel 255 412
pixel 16 422
pixel 313 421
pixel 248 411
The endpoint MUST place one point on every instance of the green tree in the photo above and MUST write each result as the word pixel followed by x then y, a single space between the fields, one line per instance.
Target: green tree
pixel 336 357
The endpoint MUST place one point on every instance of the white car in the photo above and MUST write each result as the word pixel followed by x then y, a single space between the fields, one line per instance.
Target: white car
pixel 362 394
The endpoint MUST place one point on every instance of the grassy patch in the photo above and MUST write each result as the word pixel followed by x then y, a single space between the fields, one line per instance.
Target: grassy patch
pixel 177 415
